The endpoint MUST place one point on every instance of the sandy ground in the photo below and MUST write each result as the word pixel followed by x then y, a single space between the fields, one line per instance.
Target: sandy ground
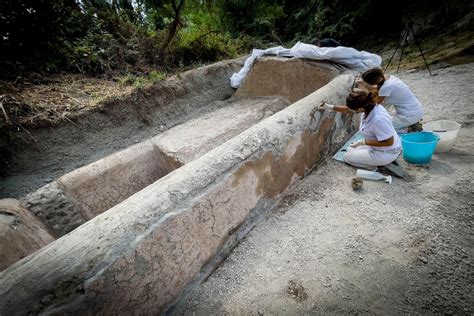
pixel 389 249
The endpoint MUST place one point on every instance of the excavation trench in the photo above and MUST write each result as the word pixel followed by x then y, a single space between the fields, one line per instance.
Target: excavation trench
pixel 83 193
pixel 160 214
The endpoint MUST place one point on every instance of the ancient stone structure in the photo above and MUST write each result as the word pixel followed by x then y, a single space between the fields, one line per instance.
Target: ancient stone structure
pixel 137 251
pixel 21 233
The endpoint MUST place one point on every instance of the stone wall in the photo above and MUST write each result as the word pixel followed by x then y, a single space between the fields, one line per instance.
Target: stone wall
pixel 291 78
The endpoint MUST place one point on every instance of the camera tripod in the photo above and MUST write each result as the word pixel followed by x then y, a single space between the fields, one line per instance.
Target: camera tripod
pixel 403 42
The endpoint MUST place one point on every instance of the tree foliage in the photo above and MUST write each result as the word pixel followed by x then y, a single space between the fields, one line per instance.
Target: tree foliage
pixel 94 36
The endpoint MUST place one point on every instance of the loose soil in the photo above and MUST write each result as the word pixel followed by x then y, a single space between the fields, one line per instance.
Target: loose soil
pixel 386 249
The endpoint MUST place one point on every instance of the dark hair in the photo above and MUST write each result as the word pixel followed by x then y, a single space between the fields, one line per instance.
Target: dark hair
pixel 316 41
pixel 360 99
pixel 329 42
pixel 374 76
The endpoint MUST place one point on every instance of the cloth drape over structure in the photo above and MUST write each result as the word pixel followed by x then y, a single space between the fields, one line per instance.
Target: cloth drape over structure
pixel 346 56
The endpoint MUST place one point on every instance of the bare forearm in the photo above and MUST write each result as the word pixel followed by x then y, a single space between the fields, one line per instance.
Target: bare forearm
pixel 377 143
pixel 338 108
pixel 343 109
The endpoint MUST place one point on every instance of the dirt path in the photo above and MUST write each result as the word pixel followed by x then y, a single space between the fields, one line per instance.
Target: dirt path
pixel 390 249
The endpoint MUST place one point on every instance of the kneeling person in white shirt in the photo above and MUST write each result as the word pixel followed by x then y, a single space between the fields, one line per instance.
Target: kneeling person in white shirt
pixel 381 144
pixel 393 91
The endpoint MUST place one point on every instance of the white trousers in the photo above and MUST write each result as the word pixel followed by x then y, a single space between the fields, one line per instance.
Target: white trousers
pixel 368 158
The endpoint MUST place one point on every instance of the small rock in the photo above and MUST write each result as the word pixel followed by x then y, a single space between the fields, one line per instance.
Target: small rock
pixel 356 183
pixel 423 259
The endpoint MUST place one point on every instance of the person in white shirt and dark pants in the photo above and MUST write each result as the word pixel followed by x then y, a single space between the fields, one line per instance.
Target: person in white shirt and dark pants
pixel 381 144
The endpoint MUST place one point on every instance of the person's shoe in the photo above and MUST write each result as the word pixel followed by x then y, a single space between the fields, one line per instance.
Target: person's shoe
pixel 417 127
pixel 394 169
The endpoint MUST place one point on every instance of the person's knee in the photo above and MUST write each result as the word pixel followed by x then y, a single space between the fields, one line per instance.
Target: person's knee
pixel 352 154
pixel 347 157
pixel 359 158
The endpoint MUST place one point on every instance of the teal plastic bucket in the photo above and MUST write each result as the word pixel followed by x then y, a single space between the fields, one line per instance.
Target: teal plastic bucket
pixel 418 148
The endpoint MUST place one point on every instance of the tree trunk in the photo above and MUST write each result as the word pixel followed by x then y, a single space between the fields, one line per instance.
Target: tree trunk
pixel 174 26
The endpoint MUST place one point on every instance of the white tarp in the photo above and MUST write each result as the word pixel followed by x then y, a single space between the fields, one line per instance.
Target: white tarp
pixel 346 56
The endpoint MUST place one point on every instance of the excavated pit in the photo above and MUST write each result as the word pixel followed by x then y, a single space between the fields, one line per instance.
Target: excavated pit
pixel 83 193
pixel 173 205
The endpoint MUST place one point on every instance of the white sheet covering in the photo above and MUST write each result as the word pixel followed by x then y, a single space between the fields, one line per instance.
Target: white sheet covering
pixel 347 56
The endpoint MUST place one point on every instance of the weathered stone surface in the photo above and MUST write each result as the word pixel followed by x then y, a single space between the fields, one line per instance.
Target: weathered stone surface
pixel 291 78
pixel 194 138
pixel 21 233
pixel 138 256
pixel 110 180
pixel 54 208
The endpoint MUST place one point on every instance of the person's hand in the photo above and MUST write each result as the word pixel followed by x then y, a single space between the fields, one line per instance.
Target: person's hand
pixel 358 143
pixel 325 106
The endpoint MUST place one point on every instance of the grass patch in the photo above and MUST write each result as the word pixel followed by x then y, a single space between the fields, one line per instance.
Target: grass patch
pixel 141 81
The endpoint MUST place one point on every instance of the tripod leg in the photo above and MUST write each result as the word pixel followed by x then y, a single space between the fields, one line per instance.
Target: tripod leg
pixel 396 49
pixel 405 40
pixel 419 47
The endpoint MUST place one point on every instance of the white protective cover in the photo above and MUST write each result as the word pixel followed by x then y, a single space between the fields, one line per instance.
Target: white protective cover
pixel 346 56
pixel 237 77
